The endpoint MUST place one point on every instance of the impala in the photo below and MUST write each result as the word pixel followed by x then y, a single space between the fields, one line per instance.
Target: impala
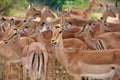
pixel 100 26
pixel 67 34
pixel 45 13
pixel 8 51
pixel 74 61
pixel 84 13
pixel 31 11
pixel 85 32
pixel 36 34
pixel 35 59
pixel 109 40
pixel 108 12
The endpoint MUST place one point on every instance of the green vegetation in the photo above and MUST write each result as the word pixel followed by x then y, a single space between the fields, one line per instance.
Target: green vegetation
pixel 13 7
pixel 18 7
pixel 76 4
pixel 92 16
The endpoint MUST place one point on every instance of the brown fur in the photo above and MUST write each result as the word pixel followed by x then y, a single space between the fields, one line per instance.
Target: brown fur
pixel 72 61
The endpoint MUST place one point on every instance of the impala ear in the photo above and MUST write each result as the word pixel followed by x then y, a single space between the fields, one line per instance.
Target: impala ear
pixel 67 26
pixel 12 22
pixel 42 25
pixel 30 6
pixel 3 19
pixel 91 26
pixel 83 28
pixel 48 27
pixel 100 5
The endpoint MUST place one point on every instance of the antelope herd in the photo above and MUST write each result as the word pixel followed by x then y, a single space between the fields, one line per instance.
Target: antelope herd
pixel 87 49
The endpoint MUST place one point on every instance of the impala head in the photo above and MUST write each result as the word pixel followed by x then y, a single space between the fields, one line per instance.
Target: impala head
pixel 46 12
pixel 85 28
pixel 13 33
pixel 31 31
pixel 65 15
pixel 57 32
pixel 31 11
pixel 104 25
pixel 108 12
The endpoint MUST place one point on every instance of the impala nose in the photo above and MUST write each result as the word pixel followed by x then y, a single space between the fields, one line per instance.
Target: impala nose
pixel 54 42
pixel 5 41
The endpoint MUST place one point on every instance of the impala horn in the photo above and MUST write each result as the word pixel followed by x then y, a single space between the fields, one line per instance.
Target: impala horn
pixel 58 11
pixel 83 28
pixel 68 12
pixel 116 5
pixel 100 5
pixel 30 5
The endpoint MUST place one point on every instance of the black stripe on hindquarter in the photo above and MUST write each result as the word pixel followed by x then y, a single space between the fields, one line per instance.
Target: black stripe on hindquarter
pixel 33 59
pixel 97 46
pixel 101 45
pixel 38 62
pixel 43 57
pixel 41 54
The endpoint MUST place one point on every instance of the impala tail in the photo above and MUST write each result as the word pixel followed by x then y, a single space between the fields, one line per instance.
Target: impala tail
pixel 38 63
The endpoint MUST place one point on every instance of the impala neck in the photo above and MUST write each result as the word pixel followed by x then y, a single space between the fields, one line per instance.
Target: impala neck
pixel 101 30
pixel 105 17
pixel 89 40
pixel 39 38
pixel 62 19
pixel 17 44
pixel 60 53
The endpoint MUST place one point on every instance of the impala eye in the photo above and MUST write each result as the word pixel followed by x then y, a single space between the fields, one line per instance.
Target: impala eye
pixel 49 11
pixel 15 33
pixel 105 24
pixel 60 32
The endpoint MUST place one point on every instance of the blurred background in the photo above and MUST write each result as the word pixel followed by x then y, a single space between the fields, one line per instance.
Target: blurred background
pixel 17 8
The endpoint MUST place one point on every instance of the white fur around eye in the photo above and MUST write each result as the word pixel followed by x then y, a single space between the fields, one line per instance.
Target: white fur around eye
pixel 67 26
pixel 48 27
pixel 91 26
pixel 41 27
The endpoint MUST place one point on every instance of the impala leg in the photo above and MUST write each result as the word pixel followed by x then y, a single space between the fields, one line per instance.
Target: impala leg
pixel 115 77
pixel 45 72
pixel 24 73
pixel 77 77
pixel 51 67
pixel 32 74
pixel 118 73
pixel 19 69
pixel 1 71
pixel 7 67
